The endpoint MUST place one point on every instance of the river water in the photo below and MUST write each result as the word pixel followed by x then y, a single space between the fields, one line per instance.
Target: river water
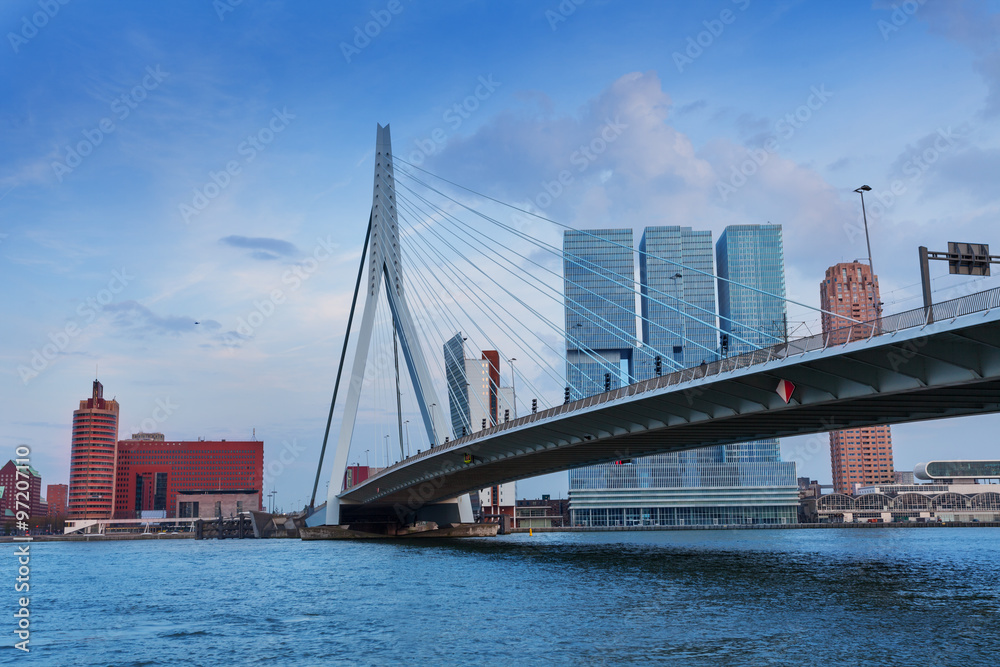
pixel 923 597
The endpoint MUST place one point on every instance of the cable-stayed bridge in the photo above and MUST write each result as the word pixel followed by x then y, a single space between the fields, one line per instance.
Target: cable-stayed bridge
pixel 917 365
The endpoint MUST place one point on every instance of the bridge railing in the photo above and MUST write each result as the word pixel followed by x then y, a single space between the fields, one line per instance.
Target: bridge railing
pixel 886 325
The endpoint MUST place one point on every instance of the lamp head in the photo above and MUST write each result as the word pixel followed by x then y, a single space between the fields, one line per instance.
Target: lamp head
pixel 863 188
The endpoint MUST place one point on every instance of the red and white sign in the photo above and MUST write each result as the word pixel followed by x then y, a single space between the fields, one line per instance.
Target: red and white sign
pixel 785 389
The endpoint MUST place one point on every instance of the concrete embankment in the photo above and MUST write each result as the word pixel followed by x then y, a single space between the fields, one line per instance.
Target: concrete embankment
pixel 790 526
pixel 111 537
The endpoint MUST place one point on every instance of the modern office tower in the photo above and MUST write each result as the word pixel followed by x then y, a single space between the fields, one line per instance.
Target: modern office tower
pixel 751 256
pixel 708 486
pixel 751 268
pixel 858 456
pixel 599 290
pixel 55 495
pixel 477 400
pixel 150 471
pixel 92 457
pixel 676 277
pixel 11 502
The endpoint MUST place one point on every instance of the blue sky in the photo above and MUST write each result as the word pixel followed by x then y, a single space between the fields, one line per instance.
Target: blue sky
pixel 116 247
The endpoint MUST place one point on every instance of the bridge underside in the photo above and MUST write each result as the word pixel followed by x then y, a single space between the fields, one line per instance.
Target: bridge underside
pixel 942 370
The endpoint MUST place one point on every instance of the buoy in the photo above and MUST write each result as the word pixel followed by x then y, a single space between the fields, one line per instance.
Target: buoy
pixel 530 533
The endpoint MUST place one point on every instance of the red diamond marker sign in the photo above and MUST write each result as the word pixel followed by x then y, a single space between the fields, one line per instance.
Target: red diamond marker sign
pixel 785 389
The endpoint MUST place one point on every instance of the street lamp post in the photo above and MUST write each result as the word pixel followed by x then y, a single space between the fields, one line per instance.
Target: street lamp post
pixel 407 425
pixel 513 387
pixel 367 465
pixel 864 216
pixel 386 450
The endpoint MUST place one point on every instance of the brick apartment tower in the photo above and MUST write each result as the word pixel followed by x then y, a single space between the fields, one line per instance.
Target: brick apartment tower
pixel 56 495
pixel 92 458
pixel 858 456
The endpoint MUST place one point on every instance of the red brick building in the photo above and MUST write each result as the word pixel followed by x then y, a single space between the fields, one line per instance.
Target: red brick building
pixel 860 456
pixel 150 472
pixel 92 457
pixel 55 495
pixel 30 488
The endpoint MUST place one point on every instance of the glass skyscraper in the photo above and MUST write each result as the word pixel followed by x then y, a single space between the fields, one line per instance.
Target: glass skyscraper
pixel 752 256
pixel 678 303
pixel 719 485
pixel 599 289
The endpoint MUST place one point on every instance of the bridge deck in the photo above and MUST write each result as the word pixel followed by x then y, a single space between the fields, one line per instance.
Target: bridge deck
pixel 917 368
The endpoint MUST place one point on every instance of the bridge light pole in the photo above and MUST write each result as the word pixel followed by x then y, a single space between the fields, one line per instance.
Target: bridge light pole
pixel 513 388
pixel 407 425
pixel 864 216
pixel 367 465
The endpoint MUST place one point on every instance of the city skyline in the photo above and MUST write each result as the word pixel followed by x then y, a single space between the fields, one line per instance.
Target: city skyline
pixel 221 181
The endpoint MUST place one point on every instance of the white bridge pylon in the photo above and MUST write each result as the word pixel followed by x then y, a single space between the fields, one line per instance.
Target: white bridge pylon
pixel 385 262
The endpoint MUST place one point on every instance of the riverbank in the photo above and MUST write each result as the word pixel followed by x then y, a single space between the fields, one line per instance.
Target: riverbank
pixel 787 526
pixel 112 537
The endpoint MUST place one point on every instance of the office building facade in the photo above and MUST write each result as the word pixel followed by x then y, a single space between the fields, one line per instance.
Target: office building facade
pixel 719 485
pixel 92 457
pixel 150 472
pixel 858 456
pixel 598 285
pixel 55 496
pixel 30 485
pixel 477 400
pixel 677 285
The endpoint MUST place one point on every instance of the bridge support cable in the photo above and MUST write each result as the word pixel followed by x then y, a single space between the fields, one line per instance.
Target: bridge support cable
pixel 481 303
pixel 558 330
pixel 628 340
pixel 484 245
pixel 340 366
pixel 625 281
pixel 641 252
pixel 477 300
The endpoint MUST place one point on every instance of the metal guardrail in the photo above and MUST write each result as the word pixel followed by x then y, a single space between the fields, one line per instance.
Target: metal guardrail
pixel 886 325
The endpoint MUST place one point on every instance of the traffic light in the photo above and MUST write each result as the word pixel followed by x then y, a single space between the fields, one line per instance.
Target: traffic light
pixel 566 395
pixel 484 422
pixel 607 382
pixel 659 366
pixel 534 405
pixel 506 415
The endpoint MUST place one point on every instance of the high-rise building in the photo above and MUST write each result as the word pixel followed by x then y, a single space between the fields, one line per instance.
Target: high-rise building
pixel 677 281
pixel 716 485
pixel 55 495
pixel 30 484
pixel 151 471
pixel 92 457
pixel 599 289
pixel 751 269
pixel 858 456
pixel 477 400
